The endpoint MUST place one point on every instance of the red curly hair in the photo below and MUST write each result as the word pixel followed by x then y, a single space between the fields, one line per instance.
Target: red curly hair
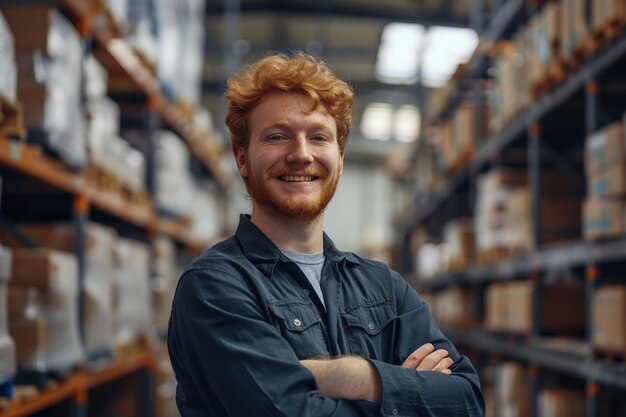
pixel 279 73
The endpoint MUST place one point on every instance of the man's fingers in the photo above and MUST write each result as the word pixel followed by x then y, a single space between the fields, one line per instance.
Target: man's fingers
pixel 444 365
pixel 432 360
pixel 418 356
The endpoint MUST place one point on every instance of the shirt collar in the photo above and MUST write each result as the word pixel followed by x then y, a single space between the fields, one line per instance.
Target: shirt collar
pixel 259 248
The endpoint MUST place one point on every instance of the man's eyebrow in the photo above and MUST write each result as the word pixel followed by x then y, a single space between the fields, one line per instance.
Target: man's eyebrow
pixel 287 126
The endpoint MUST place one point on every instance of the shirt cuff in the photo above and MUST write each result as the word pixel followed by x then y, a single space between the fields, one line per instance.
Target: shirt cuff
pixel 399 389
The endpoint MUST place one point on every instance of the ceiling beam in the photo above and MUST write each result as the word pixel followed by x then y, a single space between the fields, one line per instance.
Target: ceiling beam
pixel 382 12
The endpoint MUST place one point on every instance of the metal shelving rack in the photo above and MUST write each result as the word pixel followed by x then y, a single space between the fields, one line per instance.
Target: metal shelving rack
pixel 533 128
pixel 79 201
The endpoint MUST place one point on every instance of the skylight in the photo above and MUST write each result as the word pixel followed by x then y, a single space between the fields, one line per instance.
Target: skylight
pixel 381 121
pixel 409 52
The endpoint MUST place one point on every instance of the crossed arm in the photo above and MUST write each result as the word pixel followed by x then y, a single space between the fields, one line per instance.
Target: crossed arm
pixel 355 378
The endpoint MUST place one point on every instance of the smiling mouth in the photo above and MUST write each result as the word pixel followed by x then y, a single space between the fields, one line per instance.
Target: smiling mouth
pixel 297 178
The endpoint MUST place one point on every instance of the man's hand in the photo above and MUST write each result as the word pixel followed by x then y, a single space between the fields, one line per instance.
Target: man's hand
pixel 426 358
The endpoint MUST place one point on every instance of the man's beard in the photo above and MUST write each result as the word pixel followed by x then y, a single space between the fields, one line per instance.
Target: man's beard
pixel 297 207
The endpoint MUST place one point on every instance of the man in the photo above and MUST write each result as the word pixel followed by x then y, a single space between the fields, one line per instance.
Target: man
pixel 276 321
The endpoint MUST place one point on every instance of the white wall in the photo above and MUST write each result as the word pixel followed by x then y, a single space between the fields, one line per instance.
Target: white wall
pixel 361 209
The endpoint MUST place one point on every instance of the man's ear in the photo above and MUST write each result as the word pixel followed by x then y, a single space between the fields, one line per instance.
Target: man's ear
pixel 241 160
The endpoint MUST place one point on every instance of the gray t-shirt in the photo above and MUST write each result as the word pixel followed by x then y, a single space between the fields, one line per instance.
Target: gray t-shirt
pixel 311 265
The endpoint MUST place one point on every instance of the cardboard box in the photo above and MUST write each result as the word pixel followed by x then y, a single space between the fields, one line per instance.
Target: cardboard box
pixel 610 183
pixel 512 395
pixel 605 149
pixel 455 308
pixel 556 402
pixel 509 307
pixel 603 218
pixel 132 301
pixel 98 279
pixel 573 26
pixel 44 292
pixel 458 235
pixel 495 307
pixel 609 318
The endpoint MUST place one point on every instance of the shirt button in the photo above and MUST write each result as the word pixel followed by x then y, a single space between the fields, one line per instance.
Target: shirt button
pixel 394 411
pixel 297 323
pixel 371 326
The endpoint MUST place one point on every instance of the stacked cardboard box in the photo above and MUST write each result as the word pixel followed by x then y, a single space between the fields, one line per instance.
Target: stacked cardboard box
pixel 605 166
pixel 511 391
pixel 609 318
pixel 512 89
pixel 107 151
pixel 8 67
pixel 462 134
pixel 164 281
pixel 573 27
pixel 49 53
pixel 509 307
pixel 459 238
pixel 7 346
pixel 545 42
pixel 98 279
pixel 503 210
pixel 454 307
pixel 43 311
pixel 132 304
pixel 604 12
pixel 559 402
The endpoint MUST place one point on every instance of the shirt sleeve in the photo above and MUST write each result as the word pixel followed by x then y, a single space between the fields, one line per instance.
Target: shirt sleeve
pixel 407 392
pixel 229 360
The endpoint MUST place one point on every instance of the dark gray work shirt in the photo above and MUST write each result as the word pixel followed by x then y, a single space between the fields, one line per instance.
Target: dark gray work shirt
pixel 244 315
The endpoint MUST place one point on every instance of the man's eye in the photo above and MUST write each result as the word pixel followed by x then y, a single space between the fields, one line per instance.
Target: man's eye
pixel 319 138
pixel 275 137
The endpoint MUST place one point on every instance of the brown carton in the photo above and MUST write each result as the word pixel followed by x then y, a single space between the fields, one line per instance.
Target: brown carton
pixel 556 402
pixel 603 218
pixel 609 318
pixel 605 149
pixel 609 183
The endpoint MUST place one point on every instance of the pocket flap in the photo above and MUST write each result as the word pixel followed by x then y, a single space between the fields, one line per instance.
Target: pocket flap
pixel 296 316
pixel 371 317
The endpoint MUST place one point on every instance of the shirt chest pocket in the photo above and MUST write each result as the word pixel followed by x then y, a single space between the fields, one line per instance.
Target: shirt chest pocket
pixel 366 325
pixel 301 325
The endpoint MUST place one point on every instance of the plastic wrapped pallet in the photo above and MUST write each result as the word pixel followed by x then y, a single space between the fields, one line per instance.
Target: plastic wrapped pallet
pixel 50 75
pixel 512 390
pixel 558 402
pixel 181 44
pixel 43 311
pixel 164 280
pixel 131 295
pixel 98 280
pixel 7 346
pixel 8 67
pixel 174 193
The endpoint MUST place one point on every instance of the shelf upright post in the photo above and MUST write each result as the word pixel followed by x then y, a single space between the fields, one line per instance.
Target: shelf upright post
pixel 592 271
pixel 152 122
pixel 592 274
pixel 81 209
pixel 534 183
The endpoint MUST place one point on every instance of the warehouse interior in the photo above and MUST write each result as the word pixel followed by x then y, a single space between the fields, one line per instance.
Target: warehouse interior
pixel 489 170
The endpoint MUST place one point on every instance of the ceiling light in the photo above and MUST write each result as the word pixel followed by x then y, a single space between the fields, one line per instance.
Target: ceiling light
pixel 399 53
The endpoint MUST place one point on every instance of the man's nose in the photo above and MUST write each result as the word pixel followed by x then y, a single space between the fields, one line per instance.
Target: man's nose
pixel 300 151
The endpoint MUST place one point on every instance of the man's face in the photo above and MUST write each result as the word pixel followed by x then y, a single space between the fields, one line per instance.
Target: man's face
pixel 293 163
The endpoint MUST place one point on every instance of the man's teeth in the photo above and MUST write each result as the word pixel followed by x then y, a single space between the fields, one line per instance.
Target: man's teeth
pixel 293 178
